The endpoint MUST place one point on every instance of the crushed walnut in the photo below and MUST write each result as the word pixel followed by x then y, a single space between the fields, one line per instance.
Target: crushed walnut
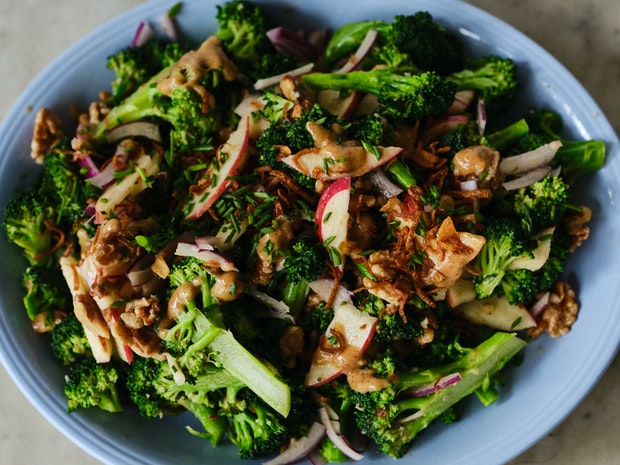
pixel 559 314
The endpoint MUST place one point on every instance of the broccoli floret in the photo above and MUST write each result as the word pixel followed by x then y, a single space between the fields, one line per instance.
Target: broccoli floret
pixel 192 111
pixel 255 428
pixel 200 337
pixel 505 138
pixel 410 42
pixel 493 77
pixel 292 134
pixel 134 65
pixel 400 96
pixel 242 28
pixel 63 186
pixel 90 384
pixel 272 64
pixel 68 341
pixel 541 204
pixel 506 240
pixel 430 45
pixel 46 291
pixel 330 452
pixel 28 222
pixel 392 418
pixel 317 319
pixel 370 129
pixel 575 157
pixel 522 285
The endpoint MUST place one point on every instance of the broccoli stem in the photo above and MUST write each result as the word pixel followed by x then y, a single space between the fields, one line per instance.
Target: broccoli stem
pixel 252 372
pixel 401 173
pixel 476 367
pixel 295 295
pixel 503 138
pixel 215 427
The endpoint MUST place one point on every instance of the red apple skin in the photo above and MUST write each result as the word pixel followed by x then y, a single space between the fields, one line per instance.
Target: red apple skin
pixel 324 207
pixel 236 147
pixel 358 329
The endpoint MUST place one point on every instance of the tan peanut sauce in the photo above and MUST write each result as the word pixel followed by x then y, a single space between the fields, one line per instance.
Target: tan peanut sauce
pixel 349 359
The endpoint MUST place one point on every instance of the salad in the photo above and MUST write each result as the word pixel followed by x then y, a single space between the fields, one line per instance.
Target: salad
pixel 316 244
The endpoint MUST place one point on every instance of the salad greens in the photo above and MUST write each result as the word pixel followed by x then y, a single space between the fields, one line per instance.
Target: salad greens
pixel 305 241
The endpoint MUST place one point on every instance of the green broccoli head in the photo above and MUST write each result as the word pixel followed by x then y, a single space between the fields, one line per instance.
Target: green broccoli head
pixel 430 45
pixel 306 260
pixel 242 28
pixel 46 291
pixel 493 77
pixel 542 204
pixel 134 65
pixel 28 222
pixel 401 96
pixel 90 384
pixel 256 429
pixel 506 240
pixel 68 341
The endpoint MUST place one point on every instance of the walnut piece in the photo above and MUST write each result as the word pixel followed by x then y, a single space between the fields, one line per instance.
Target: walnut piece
pixel 47 132
pixel 560 313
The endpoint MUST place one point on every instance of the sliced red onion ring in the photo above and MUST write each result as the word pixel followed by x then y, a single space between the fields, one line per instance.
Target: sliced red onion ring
pixel 290 43
pixel 481 116
pixel 146 129
pixel 143 33
pixel 88 163
pixel 339 441
pixel 316 458
pixel 324 288
pixel 205 242
pixel 383 184
pixel 273 80
pixel 354 61
pixel 431 388
pixel 527 179
pixel 185 249
pixel 529 160
pixel 300 448
pixel 169 26
pixel 278 306
pixel 540 304
pixel 104 178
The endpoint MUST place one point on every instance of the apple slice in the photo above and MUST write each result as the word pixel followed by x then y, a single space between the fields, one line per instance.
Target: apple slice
pixel 541 253
pixel 462 291
pixel 340 105
pixel 228 159
pixel 354 330
pixel 332 218
pixel 498 313
pixel 333 160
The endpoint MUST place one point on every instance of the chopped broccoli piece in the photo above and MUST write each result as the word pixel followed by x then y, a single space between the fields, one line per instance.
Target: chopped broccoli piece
pixel 90 384
pixel 28 223
pixel 493 77
pixel 68 341
pixel 401 96
pixel 255 428
pixel 134 65
pixel 541 204
pixel 242 28
pixel 410 42
pixel 576 157
pixel 317 319
pixel 46 291
pixel 506 240
pixel 392 418
pixel 506 137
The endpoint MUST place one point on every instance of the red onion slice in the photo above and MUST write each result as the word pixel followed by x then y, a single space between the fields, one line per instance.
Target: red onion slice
pixel 540 304
pixel 104 178
pixel 143 34
pixel 354 61
pixel 90 166
pixel 300 448
pixel 383 184
pixel 146 129
pixel 481 116
pixel 529 160
pixel 273 80
pixel 339 441
pixel 431 388
pixel 527 179
pixel 290 43
pixel 169 26
pixel 185 249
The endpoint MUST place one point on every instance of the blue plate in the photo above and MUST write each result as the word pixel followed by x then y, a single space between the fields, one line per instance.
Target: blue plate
pixel 556 374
